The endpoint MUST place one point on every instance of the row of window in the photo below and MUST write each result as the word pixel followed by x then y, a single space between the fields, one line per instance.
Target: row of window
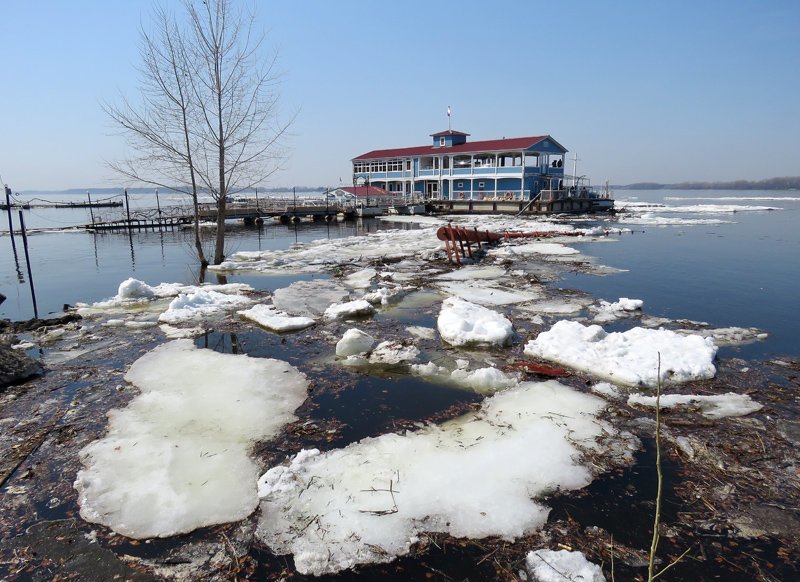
pixel 385 166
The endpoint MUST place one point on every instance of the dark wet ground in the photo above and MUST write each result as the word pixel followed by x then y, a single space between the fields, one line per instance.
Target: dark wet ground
pixel 732 503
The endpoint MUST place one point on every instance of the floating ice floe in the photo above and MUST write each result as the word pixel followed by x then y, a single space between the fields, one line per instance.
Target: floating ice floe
pixel 532 248
pixel 269 317
pixel 130 324
pixel 629 357
pixel 308 298
pixel 360 279
pixel 651 219
pixel 201 303
pixel 177 457
pixel 357 308
pixel 173 332
pixel 562 566
pixel 486 380
pixel 480 475
pixel 386 295
pixel 564 306
pixel 421 331
pixel 728 336
pixel 354 341
pixel 605 311
pixel 487 292
pixel 463 323
pixel 390 352
pixel 715 406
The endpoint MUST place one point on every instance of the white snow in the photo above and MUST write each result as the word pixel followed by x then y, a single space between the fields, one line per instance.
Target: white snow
pixel 269 317
pixel 480 475
pixel 562 566
pixel 177 457
pixel 463 323
pixel 201 303
pixel 629 357
pixel 357 308
pixel 354 341
pixel 715 406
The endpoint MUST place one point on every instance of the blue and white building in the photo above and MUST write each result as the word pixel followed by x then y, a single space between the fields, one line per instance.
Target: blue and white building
pixel 451 168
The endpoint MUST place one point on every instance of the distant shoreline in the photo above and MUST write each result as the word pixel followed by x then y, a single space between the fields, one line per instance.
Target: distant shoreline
pixel 788 183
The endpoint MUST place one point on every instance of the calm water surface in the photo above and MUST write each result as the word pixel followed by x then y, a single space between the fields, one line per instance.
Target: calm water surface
pixel 744 273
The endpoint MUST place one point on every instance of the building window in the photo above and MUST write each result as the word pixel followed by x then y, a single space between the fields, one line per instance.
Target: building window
pixel 441 141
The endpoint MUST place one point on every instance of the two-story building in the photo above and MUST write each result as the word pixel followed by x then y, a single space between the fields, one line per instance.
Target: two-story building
pixel 451 168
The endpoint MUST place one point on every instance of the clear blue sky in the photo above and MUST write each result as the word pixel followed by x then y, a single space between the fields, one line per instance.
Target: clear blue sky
pixel 642 91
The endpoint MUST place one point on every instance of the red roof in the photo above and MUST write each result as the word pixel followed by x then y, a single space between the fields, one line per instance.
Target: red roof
pixel 365 190
pixel 448 132
pixel 494 145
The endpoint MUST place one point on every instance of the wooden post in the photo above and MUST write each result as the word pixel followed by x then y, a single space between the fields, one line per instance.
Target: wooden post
pixel 128 208
pixel 453 240
pixel 10 223
pixel 28 262
pixel 91 212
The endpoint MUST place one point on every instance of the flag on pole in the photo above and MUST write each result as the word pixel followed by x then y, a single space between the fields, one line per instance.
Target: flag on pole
pixel 448 111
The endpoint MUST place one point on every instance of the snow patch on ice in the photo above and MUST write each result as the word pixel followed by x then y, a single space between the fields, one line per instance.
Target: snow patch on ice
pixel 177 457
pixel 629 357
pixel 463 323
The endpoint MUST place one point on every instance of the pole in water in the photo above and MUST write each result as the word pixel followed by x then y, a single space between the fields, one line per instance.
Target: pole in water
pixel 28 262
pixel 128 208
pixel 10 223
pixel 91 212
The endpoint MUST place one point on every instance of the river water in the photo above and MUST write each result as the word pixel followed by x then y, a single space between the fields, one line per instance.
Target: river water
pixel 713 256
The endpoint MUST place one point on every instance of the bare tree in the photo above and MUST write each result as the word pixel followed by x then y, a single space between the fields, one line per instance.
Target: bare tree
pixel 160 130
pixel 208 117
pixel 235 95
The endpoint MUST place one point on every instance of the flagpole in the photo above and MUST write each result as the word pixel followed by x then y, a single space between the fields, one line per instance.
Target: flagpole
pixel 448 119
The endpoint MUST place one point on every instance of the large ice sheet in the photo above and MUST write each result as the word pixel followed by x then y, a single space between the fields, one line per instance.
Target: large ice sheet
pixel 178 456
pixel 480 475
